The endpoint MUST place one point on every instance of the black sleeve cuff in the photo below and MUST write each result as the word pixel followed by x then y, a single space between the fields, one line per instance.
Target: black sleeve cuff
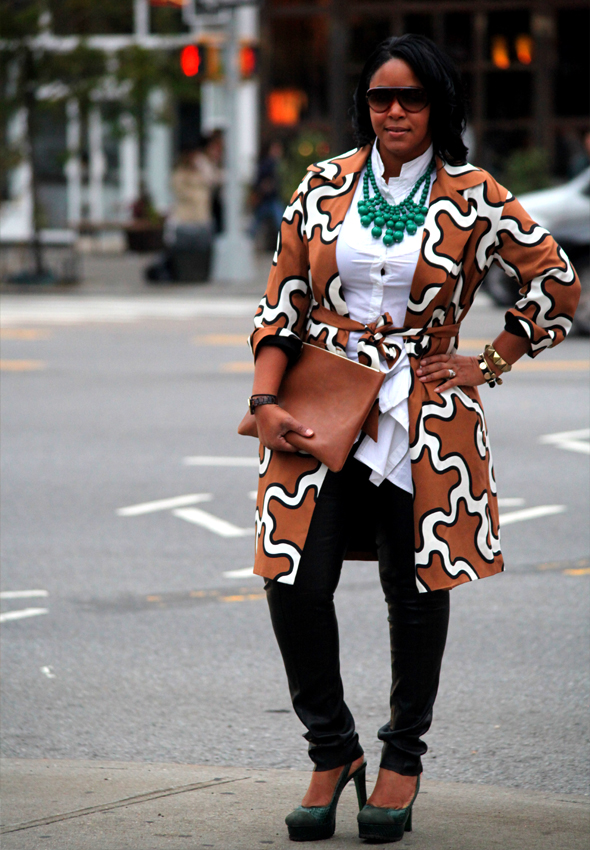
pixel 290 345
pixel 513 326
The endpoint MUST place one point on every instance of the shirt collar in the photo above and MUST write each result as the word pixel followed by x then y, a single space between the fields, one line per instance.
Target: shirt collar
pixel 410 172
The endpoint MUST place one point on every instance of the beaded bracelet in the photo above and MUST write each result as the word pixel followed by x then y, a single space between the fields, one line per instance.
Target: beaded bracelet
pixel 491 378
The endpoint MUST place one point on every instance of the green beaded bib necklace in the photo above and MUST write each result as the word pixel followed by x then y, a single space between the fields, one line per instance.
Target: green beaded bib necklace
pixel 397 219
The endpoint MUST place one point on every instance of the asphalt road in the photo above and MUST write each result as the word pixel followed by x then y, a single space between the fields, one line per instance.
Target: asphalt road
pixel 149 651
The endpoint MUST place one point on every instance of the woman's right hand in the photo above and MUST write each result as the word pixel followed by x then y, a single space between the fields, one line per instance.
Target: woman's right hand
pixel 273 423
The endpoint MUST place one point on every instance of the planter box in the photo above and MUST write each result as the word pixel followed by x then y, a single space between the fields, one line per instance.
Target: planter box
pixel 144 237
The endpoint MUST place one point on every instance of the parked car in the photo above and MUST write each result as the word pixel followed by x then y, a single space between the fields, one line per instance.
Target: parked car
pixel 565 212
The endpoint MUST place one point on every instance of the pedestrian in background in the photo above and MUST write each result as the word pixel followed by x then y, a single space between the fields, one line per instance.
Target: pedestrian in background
pixel 191 225
pixel 214 153
pixel 267 203
pixel 381 254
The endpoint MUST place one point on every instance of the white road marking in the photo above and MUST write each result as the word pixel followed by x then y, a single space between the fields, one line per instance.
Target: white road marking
pixel 64 310
pixel 245 573
pixel 212 523
pixel 531 513
pixel 164 504
pixel 22 594
pixel 572 441
pixel 20 615
pixel 510 503
pixel 206 460
pixel 48 671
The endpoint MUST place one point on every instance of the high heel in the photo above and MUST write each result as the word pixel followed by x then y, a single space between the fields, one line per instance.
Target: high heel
pixel 378 824
pixel 314 823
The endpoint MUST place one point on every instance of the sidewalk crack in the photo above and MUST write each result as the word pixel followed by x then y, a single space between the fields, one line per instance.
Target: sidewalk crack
pixel 118 804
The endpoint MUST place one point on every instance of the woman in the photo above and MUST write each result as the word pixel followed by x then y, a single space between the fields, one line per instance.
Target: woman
pixel 379 258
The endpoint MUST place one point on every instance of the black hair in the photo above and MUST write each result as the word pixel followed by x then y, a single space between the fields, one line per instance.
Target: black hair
pixel 441 79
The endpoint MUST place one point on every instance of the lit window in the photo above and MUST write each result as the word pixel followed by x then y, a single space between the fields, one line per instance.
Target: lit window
pixel 500 54
pixel 524 49
pixel 284 106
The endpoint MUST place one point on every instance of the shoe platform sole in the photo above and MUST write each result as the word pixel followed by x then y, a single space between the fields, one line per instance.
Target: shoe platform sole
pixel 376 834
pixel 311 833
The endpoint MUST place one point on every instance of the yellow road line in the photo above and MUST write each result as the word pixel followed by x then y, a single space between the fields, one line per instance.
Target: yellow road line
pixel 552 366
pixel 240 594
pixel 561 565
pixel 238 366
pixel 242 597
pixel 221 339
pixel 24 333
pixel 21 365
pixel 472 344
pixel 585 571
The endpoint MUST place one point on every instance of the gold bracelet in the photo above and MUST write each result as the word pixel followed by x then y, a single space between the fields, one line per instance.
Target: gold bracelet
pixel 491 378
pixel 491 353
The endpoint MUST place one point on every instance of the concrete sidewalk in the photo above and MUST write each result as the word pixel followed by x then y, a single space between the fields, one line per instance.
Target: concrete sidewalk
pixel 96 805
pixel 123 274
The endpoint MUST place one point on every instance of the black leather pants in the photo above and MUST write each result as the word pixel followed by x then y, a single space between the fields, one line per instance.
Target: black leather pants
pixel 304 621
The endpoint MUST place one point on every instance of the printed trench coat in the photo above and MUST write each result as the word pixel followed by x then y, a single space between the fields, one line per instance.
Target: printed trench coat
pixel 471 222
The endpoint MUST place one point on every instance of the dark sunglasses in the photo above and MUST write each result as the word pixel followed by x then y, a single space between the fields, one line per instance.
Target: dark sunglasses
pixel 410 98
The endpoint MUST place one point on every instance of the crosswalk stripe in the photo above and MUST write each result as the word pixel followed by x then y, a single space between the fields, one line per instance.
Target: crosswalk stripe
pixel 531 513
pixel 21 615
pixel 209 460
pixel 212 523
pixel 164 504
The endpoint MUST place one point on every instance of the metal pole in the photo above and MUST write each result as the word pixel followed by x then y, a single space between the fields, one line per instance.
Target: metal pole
pixel 233 257
pixel 479 101
pixel 141 17
pixel 232 188
pixel 337 77
pixel 543 30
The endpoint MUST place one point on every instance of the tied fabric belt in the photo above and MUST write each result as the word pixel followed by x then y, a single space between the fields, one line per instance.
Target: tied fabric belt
pixel 374 335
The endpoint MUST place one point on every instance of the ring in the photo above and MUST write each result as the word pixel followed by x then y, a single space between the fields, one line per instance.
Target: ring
pixel 452 373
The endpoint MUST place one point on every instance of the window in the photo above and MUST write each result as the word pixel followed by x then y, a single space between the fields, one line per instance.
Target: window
pixel 572 90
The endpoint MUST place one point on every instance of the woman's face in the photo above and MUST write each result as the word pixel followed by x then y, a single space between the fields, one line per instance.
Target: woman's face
pixel 402 134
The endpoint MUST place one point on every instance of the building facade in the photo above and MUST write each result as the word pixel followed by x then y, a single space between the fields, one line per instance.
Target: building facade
pixel 524 64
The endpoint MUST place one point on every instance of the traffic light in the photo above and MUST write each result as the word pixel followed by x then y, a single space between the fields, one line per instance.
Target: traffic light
pixel 248 60
pixel 201 61
pixel 193 60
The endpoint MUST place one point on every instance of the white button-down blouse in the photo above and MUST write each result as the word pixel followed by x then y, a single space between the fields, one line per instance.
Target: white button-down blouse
pixel 376 279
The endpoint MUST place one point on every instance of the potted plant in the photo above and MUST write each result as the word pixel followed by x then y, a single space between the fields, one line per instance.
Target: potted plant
pixel 146 231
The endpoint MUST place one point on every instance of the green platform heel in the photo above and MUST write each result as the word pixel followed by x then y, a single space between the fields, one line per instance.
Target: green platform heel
pixel 315 823
pixel 380 825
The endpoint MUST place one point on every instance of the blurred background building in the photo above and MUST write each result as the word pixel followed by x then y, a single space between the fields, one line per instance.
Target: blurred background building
pixel 524 64
pixel 97 149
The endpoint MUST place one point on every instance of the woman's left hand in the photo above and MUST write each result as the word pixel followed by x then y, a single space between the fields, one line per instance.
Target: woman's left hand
pixel 454 369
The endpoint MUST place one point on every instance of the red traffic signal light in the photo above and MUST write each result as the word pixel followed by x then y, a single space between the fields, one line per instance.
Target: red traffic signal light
pixel 248 61
pixel 192 60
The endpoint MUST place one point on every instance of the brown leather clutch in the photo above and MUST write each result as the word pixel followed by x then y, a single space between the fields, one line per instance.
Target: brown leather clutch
pixel 332 395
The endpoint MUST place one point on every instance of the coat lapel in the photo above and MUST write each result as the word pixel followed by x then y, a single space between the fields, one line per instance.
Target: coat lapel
pixel 446 230
pixel 333 195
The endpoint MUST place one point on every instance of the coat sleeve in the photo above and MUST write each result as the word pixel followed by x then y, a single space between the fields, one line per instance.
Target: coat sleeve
pixel 548 283
pixel 282 313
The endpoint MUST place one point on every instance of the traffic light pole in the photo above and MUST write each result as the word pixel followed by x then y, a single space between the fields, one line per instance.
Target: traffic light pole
pixel 233 252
